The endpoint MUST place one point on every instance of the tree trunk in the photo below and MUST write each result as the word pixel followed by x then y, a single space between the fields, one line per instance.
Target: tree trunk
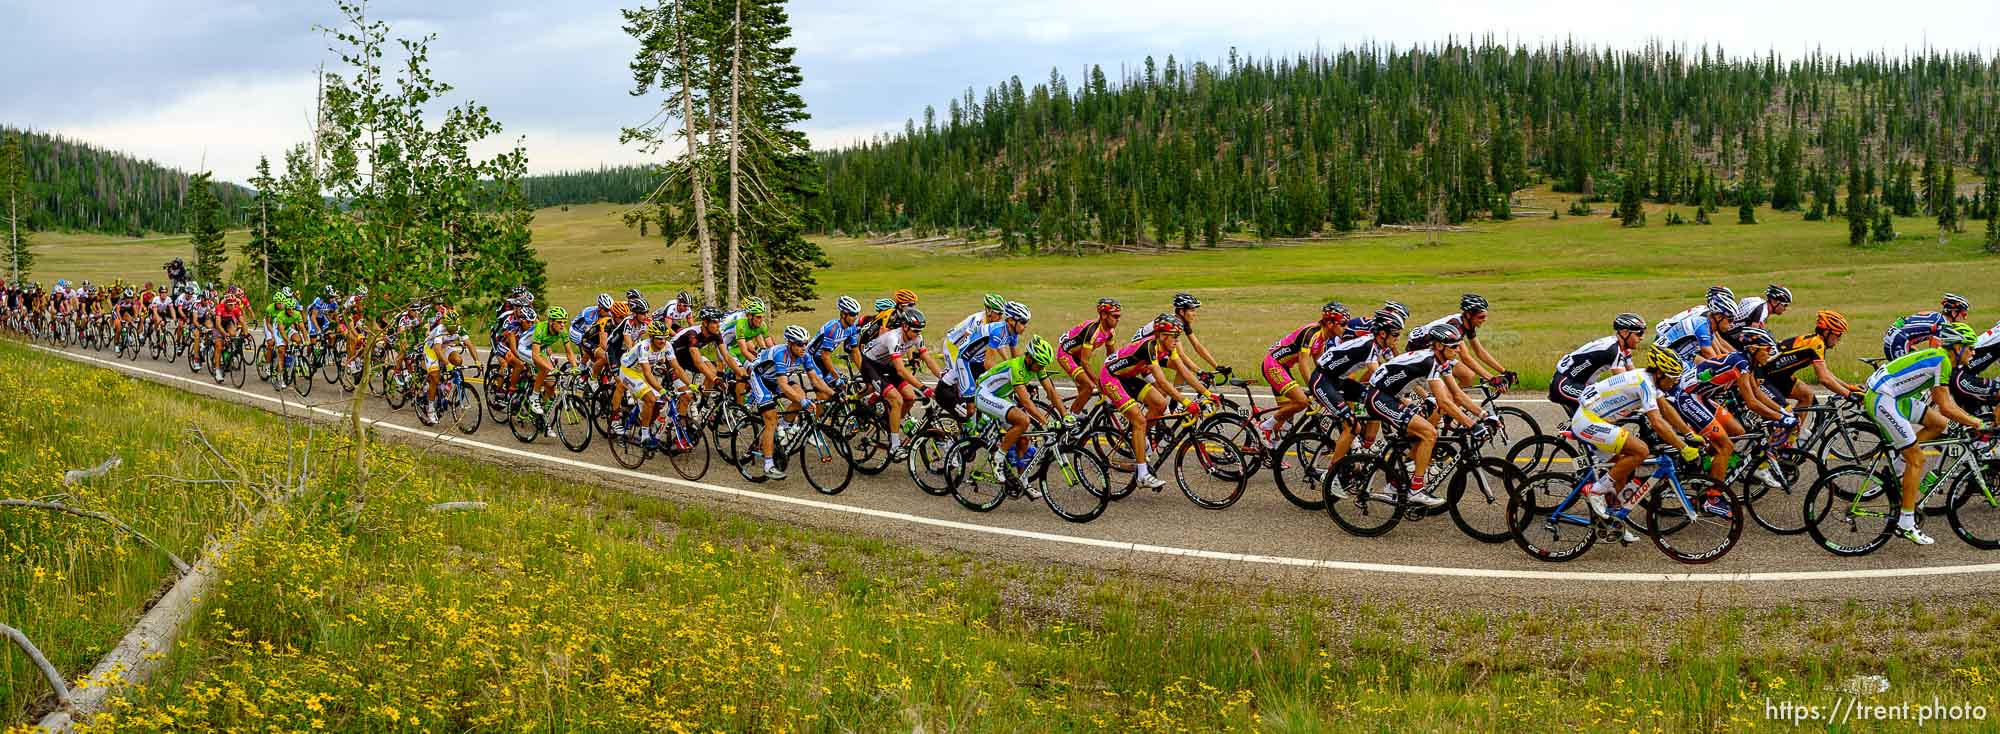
pixel 735 146
pixel 700 186
pixel 14 233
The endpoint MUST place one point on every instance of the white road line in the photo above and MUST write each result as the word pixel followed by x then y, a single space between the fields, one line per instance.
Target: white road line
pixel 1114 545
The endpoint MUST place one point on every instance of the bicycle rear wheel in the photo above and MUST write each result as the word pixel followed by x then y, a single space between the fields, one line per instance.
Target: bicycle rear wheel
pixel 1851 512
pixel 465 412
pixel 1375 494
pixel 1210 470
pixel 691 464
pixel 1548 518
pixel 1852 442
pixel 1709 519
pixel 1074 485
pixel 1478 498
pixel 1112 446
pixel 1299 464
pixel 524 424
pixel 975 481
pixel 1236 429
pixel 823 459
pixel 1536 454
pixel 1782 510
pixel 1515 426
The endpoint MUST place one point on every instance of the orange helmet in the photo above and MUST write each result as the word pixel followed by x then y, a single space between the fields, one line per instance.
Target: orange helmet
pixel 905 297
pixel 620 310
pixel 1830 322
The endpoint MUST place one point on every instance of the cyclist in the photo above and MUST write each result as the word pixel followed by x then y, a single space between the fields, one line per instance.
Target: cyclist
pixel 319 314
pixel 1781 373
pixel 1001 393
pixel 1978 395
pixel 872 327
pixel 1699 396
pixel 1186 307
pixel 227 324
pixel 688 343
pixel 1625 395
pixel 513 359
pixel 444 344
pixel 539 344
pixel 352 323
pixel 281 315
pixel 954 336
pixel 1433 368
pixel 1921 329
pixel 981 349
pixel 1477 365
pixel 1899 401
pixel 1307 341
pixel 1600 357
pixel 1337 381
pixel 884 365
pixel 1691 334
pixel 125 311
pixel 1074 348
pixel 773 375
pixel 639 373
pixel 680 312
pixel 744 333
pixel 1134 384
pixel 1755 311
pixel 590 334
pixel 834 337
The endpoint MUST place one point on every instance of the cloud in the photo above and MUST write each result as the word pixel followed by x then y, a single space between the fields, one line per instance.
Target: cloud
pixel 226 123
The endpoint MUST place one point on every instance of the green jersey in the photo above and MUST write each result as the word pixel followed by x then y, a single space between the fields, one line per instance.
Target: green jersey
pixel 1005 376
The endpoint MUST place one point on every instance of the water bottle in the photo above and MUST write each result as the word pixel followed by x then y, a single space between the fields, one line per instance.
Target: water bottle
pixel 909 424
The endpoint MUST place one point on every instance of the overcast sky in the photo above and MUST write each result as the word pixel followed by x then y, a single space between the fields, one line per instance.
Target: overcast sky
pixel 185 81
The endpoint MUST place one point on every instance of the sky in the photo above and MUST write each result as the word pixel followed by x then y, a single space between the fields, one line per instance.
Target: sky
pixel 217 83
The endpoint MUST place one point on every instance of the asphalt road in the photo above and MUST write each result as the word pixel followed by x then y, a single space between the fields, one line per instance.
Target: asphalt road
pixel 1262 539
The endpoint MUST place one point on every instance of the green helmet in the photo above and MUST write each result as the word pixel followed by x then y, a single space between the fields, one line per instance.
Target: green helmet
pixel 755 307
pixel 994 301
pixel 1041 352
pixel 558 313
pixel 1956 333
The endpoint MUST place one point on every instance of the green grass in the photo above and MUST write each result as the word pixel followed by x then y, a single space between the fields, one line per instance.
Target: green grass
pixel 569 607
pixel 1554 283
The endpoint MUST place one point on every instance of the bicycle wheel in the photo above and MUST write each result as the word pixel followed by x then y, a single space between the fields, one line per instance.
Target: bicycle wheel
pixel 1478 498
pixel 1074 485
pixel 300 377
pixel 926 464
pixel 524 424
pixel 729 422
pixel 1782 510
pixel 1375 494
pixel 1851 512
pixel 1553 530
pixel 464 409
pixel 975 481
pixel 1975 505
pixel 823 459
pixel 571 416
pixel 691 464
pixel 1516 425
pixel 395 389
pixel 626 449
pixel 746 445
pixel 1300 462
pixel 1709 516
pixel 1536 454
pixel 1236 429
pixel 1852 442
pixel 870 449
pixel 236 371
pixel 1112 446
pixel 1210 470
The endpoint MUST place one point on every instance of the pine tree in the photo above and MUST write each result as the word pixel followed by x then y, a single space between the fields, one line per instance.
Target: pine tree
pixel 1947 206
pixel 204 218
pixel 1992 196
pixel 255 264
pixel 1630 212
pixel 17 205
pixel 1885 226
pixel 1745 213
pixel 1857 207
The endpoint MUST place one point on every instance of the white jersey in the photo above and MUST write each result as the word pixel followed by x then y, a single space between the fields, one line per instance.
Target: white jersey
pixel 1621 396
pixel 890 345
pixel 643 353
pixel 957 334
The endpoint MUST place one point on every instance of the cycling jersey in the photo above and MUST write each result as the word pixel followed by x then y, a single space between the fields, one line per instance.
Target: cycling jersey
pixel 1985 352
pixel 957 334
pixel 1781 371
pixel 832 336
pixel 776 363
pixel 1146 330
pixel 1420 338
pixel 1304 338
pixel 993 390
pixel 1908 332
pixel 1751 311
pixel 585 327
pixel 1086 334
pixel 691 339
pixel 1579 367
pixel 676 312
pixel 972 351
pixel 736 328
pixel 890 346
pixel 1685 333
pixel 1397 376
pixel 1912 375
pixel 545 335
pixel 1130 359
pixel 1610 400
pixel 644 356
pixel 1711 379
pixel 1349 356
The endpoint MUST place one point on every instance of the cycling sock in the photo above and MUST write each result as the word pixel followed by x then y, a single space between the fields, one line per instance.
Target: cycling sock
pixel 1906 520
pixel 1145 471
pixel 895 441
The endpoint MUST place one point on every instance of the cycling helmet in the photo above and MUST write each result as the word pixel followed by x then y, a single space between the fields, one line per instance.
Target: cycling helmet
pixel 657 330
pixel 1830 322
pixel 618 310
pixel 994 302
pixel 1444 335
pixel 1041 352
pixel 1017 311
pixel 178 261
pixel 1721 301
pixel 328 292
pixel 62 282
pixel 1665 361
pixel 1109 305
pixel 1628 322
pixel 1333 308
pixel 755 307
pixel 528 314
pixel 1777 294
pixel 1952 302
pixel 796 334
pixel 1186 300
pixel 1472 303
pixel 684 297
pixel 1388 321
pixel 913 318
pixel 1755 337
pixel 1399 309
pixel 710 313
pixel 558 313
pixel 848 305
pixel 284 293
pixel 884 304
pixel 1165 324
pixel 638 304
pixel 162 290
pixel 518 299
pixel 604 301
pixel 1956 333
pixel 633 294
pixel 129 293
pixel 519 290
pixel 905 297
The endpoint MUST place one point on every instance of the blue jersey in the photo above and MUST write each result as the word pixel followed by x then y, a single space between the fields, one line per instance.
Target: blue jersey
pixel 1686 332
pixel 832 336
pixel 994 335
pixel 777 362
pixel 1909 331
pixel 321 306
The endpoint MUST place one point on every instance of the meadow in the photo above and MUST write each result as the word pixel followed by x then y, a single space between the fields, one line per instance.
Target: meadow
pixel 565 606
pixel 1554 283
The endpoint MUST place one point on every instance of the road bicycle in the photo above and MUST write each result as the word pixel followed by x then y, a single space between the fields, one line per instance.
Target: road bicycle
pixel 1690 518
pixel 1206 466
pixel 803 440
pixel 457 399
pixel 1073 482
pixel 1372 496
pixel 1851 511
pixel 679 436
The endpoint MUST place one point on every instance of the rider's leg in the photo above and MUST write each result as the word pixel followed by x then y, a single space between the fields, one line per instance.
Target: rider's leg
pixel 1423 436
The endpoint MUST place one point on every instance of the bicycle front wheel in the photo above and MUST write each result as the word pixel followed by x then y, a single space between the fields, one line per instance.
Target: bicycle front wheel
pixel 571 416
pixel 1210 470
pixel 1515 426
pixel 465 412
pixel 1975 505
pixel 1709 519
pixel 1478 498
pixel 1548 518
pixel 975 481
pixel 1374 495
pixel 926 464
pixel 1782 510
pixel 1075 484
pixel 1298 465
pixel 691 464
pixel 824 461
pixel 1850 512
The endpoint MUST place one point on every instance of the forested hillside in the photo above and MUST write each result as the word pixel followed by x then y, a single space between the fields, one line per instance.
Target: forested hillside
pixel 80 186
pixel 610 184
pixel 1374 134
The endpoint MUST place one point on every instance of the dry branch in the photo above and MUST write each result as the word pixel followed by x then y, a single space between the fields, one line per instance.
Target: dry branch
pixel 49 672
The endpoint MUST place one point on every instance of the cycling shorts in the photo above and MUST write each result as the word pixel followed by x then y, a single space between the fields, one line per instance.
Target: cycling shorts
pixel 1567 393
pixel 993 405
pixel 763 392
pixel 1121 391
pixel 1598 433
pixel 637 387
pixel 275 334
pixel 1277 376
pixel 1390 409
pixel 1897 419
pixel 1706 418
pixel 1076 371
pixel 1335 392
